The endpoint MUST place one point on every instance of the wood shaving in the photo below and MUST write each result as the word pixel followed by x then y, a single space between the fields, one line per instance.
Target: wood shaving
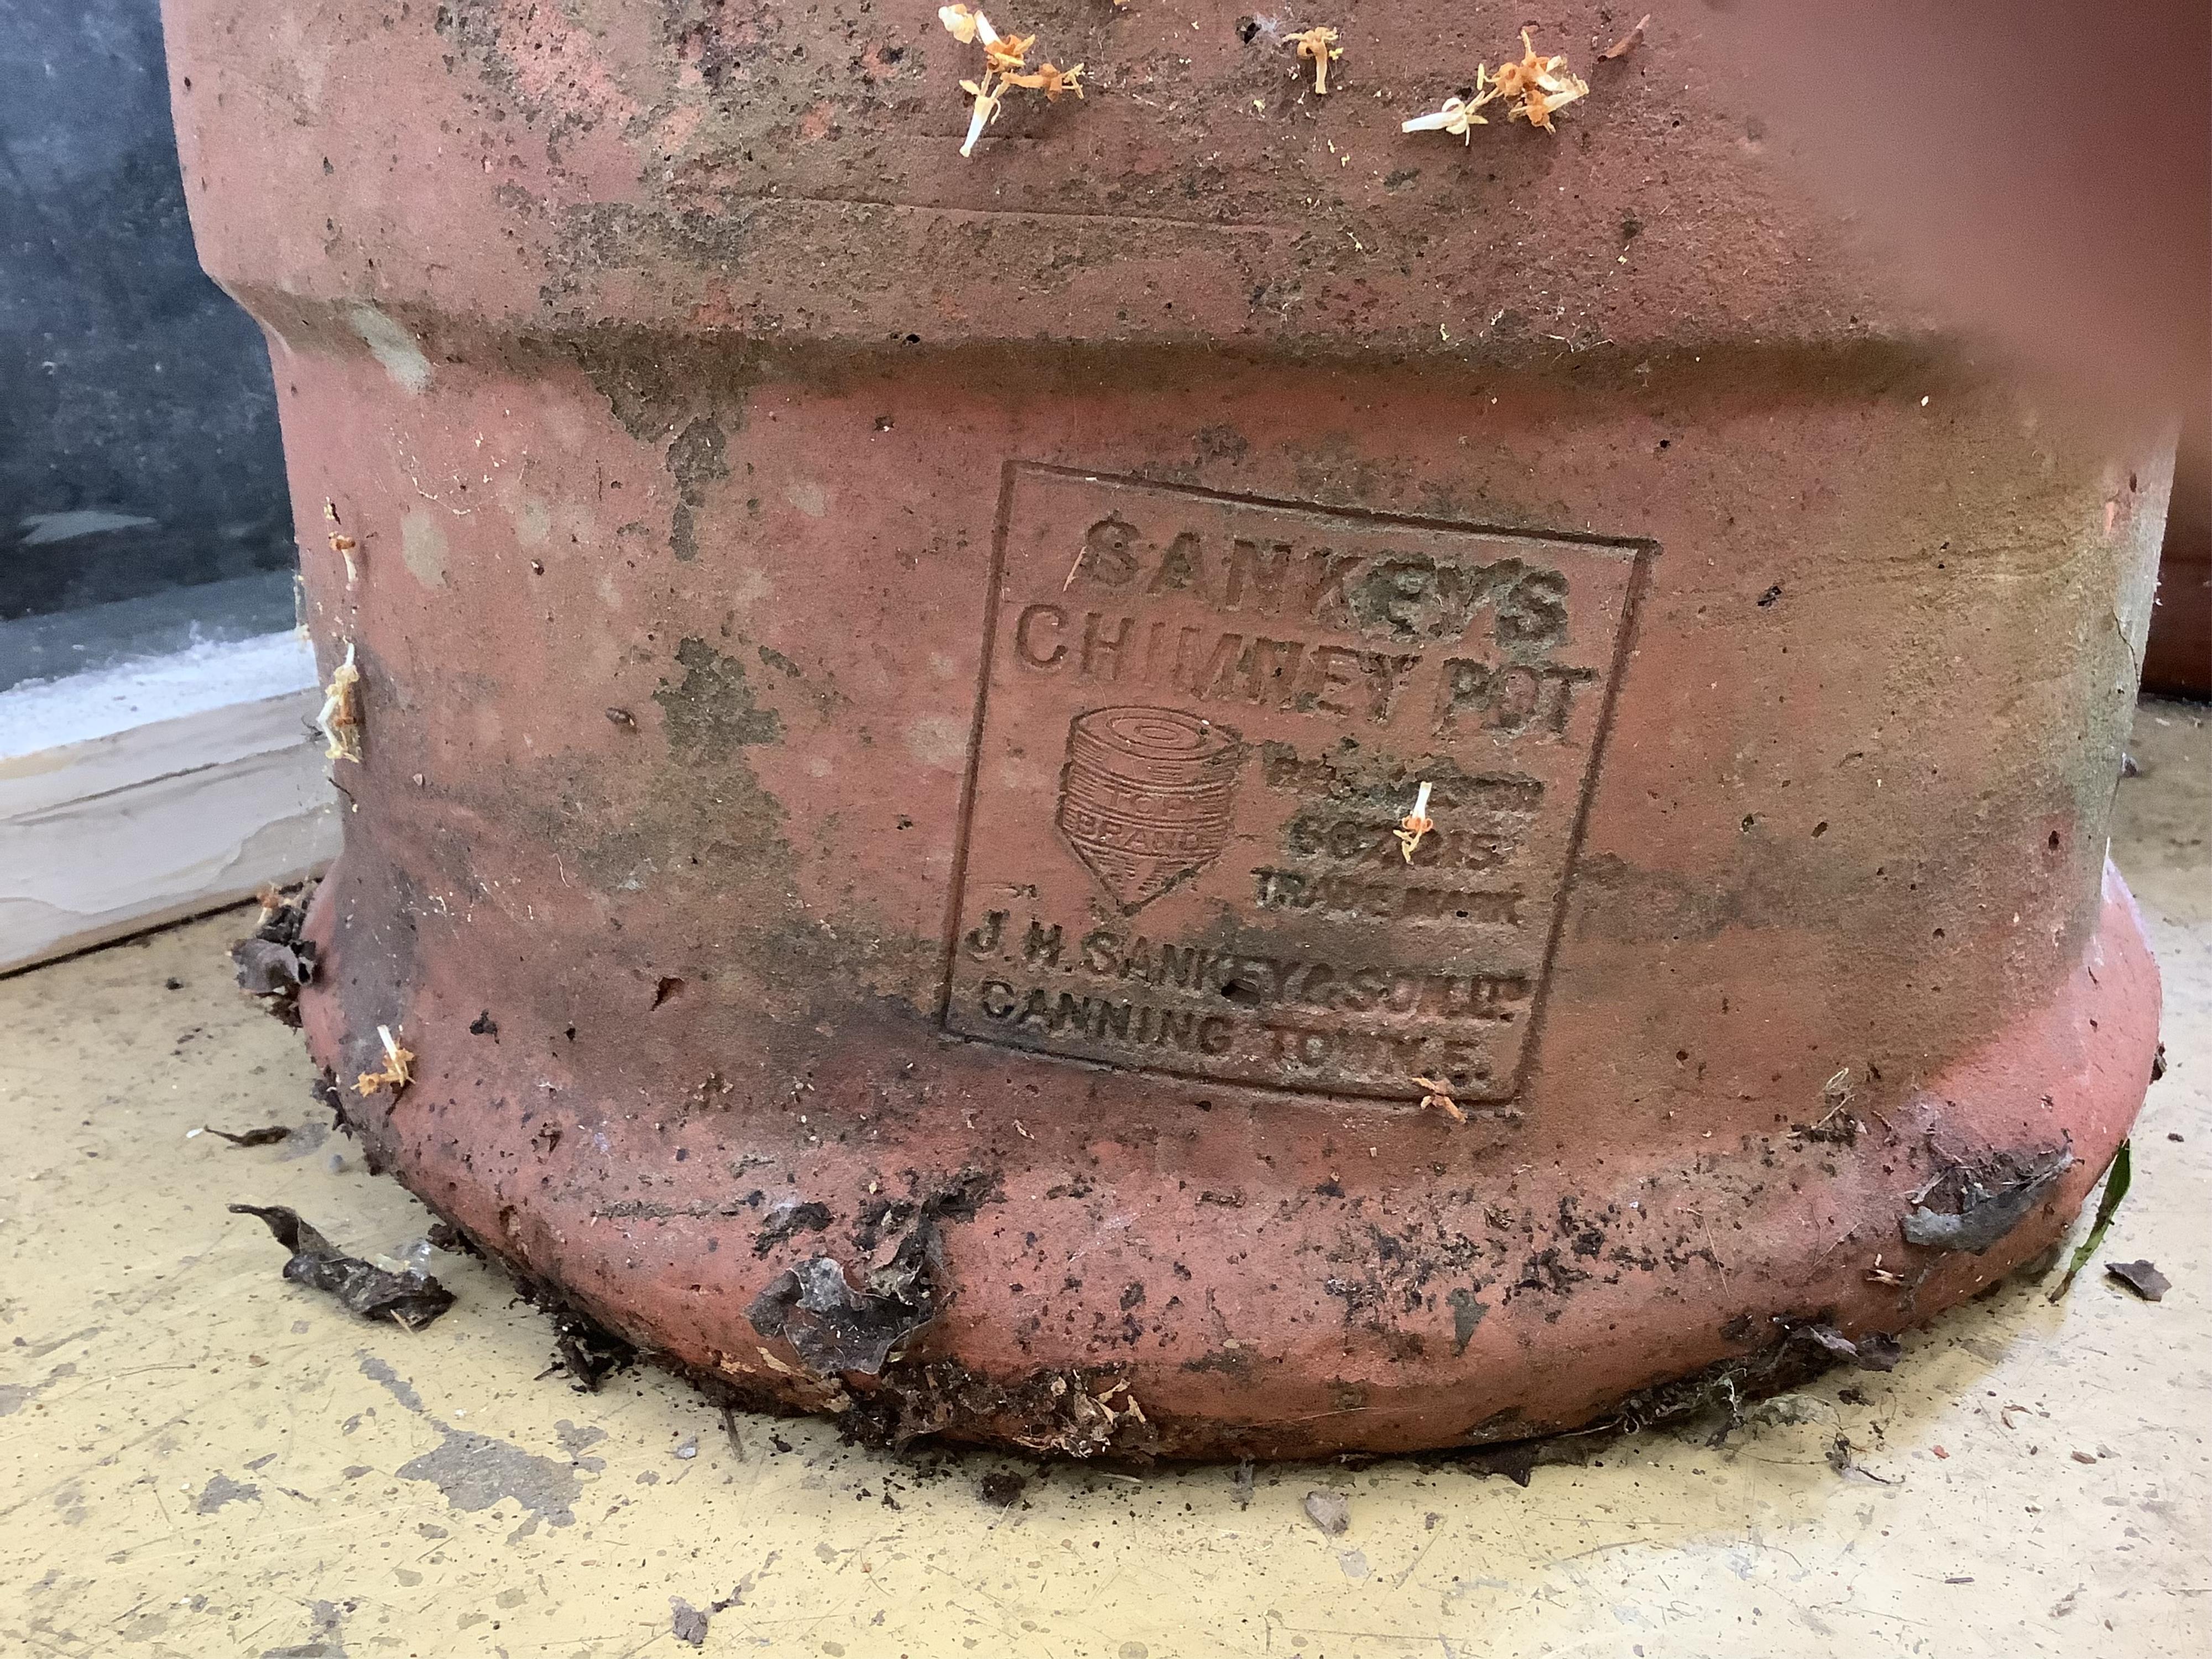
pixel 341 544
pixel 1628 42
pixel 340 719
pixel 1319 47
pixel 1534 87
pixel 398 1067
pixel 1457 116
pixel 1008 54
pixel 1542 84
pixel 1128 1407
pixel 1415 824
pixel 1005 64
pixel 967 26
pixel 1439 1096
pixel 1051 82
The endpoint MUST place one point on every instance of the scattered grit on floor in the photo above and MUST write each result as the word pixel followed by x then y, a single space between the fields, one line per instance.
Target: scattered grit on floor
pixel 202 1457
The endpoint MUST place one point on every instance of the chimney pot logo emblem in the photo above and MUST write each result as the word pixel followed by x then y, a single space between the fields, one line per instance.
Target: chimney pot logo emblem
pixel 1146 798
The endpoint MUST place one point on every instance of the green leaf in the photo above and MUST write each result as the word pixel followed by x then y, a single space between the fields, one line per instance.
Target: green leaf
pixel 2116 1177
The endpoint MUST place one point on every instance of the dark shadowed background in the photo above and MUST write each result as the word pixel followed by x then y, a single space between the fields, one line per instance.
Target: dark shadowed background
pixel 142 486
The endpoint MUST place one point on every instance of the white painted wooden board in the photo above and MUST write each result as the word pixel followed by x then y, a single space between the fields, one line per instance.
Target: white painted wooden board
pixel 141 794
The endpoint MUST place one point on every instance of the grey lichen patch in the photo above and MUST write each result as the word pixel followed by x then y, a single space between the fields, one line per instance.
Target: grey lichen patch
pixel 475 1471
pixel 699 457
pixel 577 1441
pixel 223 1490
pixel 329 1619
pixel 13 1396
pixel 398 1385
pixel 713 712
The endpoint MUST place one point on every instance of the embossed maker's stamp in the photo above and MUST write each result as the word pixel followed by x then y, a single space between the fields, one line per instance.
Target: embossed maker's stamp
pixel 1146 797
pixel 1202 717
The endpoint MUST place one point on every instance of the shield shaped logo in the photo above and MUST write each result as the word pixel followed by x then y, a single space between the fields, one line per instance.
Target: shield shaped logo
pixel 1146 798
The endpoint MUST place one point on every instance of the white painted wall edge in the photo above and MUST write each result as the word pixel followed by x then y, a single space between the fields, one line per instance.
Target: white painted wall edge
pixel 146 792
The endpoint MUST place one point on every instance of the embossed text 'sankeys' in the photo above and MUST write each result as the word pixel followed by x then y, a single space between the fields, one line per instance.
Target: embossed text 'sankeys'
pixel 1204 718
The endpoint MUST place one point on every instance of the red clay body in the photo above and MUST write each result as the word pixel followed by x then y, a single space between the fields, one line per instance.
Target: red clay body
pixel 889 684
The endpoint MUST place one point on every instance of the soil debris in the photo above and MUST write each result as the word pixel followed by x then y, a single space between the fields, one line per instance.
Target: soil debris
pixel 444 1235
pixel 686 1622
pixel 1516 1460
pixel 410 1299
pixel 1002 1488
pixel 1836 1125
pixel 273 962
pixel 1991 1200
pixel 838 1327
pixel 397 1070
pixel 584 1350
pixel 1874 1352
pixel 1329 1512
pixel 789 1216
pixel 1725 1388
pixel 1316 47
pixel 267 1136
pixel 2118 1177
pixel 1048 1411
pixel 2141 1276
pixel 1241 1484
pixel 1841 1460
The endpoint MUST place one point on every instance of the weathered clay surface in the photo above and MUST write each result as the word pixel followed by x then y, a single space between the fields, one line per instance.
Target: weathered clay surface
pixel 887 682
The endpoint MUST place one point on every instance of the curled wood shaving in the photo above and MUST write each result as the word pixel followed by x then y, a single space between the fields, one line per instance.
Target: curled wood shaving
pixel 1007 54
pixel 340 719
pixel 967 26
pixel 1534 87
pixel 1439 1096
pixel 398 1067
pixel 1457 116
pixel 1005 64
pixel 1128 1407
pixel 1317 47
pixel 1049 80
pixel 341 544
pixel 1415 824
pixel 982 114
pixel 1628 42
pixel 1542 84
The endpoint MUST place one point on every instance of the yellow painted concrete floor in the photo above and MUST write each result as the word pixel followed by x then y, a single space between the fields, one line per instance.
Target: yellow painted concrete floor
pixel 201 1458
